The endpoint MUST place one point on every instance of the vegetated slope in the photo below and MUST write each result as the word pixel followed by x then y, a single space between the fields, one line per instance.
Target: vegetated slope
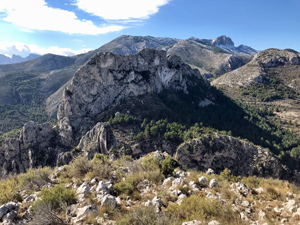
pixel 270 80
pixel 25 86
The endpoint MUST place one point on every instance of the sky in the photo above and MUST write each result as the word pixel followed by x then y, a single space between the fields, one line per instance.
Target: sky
pixel 69 27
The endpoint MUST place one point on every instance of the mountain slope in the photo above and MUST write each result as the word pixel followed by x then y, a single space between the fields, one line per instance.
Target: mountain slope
pixel 209 59
pixel 270 80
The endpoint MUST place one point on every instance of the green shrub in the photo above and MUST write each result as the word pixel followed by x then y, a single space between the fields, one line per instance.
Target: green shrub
pixel 128 186
pixel 57 197
pixel 34 179
pixel 75 151
pixel 199 207
pixel 80 167
pixel 295 152
pixel 100 157
pixel 101 167
pixel 144 216
pixel 151 163
pixel 8 190
pixel 226 174
pixel 168 166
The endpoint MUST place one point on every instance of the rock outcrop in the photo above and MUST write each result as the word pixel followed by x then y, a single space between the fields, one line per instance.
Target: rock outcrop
pixel 34 147
pixel 219 152
pixel 108 78
pixel 100 139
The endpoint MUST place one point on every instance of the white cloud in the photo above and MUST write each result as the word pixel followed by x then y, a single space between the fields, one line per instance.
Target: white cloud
pixel 121 9
pixel 36 15
pixel 22 49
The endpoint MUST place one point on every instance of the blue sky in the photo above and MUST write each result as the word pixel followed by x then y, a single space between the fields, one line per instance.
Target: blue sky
pixel 74 26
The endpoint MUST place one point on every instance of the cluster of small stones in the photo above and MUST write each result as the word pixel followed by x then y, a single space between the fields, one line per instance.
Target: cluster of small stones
pixel 253 212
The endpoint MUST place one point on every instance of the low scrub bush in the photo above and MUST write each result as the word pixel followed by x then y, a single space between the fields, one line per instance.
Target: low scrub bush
pixel 43 214
pixel 128 186
pixel 201 208
pixel 80 167
pixel 8 190
pixel 101 167
pixel 56 198
pixel 144 216
pixel 34 179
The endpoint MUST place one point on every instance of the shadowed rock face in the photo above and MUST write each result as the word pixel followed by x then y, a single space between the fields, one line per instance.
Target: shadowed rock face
pixel 219 152
pixel 107 78
pixel 34 147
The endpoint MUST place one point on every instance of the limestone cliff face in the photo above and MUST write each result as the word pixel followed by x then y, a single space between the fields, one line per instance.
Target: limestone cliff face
pixel 34 147
pixel 107 78
pixel 219 152
pixel 255 71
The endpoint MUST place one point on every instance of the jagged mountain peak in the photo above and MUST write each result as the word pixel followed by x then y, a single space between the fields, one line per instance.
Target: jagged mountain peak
pixel 223 40
pixel 107 78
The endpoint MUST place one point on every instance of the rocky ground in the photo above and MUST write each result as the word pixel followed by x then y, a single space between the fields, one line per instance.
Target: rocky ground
pixel 146 191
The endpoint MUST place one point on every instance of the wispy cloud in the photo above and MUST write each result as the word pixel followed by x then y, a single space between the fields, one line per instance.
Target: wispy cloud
pixel 36 15
pixel 22 49
pixel 121 9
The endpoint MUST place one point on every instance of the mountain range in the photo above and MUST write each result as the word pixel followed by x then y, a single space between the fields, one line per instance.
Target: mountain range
pixel 37 89
pixel 16 58
pixel 89 139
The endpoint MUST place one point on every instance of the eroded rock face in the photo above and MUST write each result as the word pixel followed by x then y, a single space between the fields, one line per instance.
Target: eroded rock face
pixel 220 152
pixel 34 147
pixel 98 140
pixel 107 78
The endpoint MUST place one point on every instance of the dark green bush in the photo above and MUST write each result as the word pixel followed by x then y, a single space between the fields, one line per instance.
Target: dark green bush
pixel 168 166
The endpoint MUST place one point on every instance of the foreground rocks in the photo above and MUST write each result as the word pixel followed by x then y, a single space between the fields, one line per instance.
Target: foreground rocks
pixel 8 212
pixel 263 205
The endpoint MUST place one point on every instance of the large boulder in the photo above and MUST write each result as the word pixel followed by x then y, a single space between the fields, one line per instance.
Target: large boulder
pixel 9 211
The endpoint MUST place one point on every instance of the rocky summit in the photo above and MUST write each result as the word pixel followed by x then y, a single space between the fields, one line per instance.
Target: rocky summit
pixel 108 78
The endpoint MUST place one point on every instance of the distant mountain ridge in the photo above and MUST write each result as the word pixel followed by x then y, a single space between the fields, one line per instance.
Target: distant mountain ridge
pixel 16 58
pixel 211 57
